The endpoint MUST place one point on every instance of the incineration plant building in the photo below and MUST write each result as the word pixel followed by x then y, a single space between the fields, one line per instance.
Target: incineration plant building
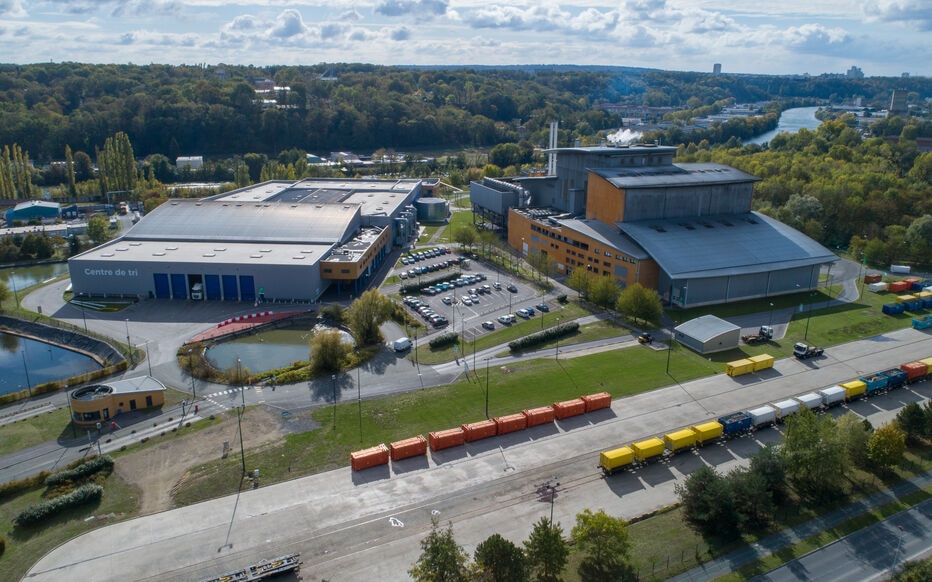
pixel 275 241
pixel 686 230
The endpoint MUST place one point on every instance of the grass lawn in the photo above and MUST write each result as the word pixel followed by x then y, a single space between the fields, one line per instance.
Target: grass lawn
pixel 33 431
pixel 25 546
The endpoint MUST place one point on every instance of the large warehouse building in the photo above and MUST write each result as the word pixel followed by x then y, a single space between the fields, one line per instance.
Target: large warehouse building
pixel 629 212
pixel 275 241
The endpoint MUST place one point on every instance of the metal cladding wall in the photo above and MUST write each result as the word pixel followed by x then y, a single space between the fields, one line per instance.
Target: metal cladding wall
pixel 432 209
pixel 712 290
pixel 173 280
pixel 687 202
pixel 724 341
pixel 498 201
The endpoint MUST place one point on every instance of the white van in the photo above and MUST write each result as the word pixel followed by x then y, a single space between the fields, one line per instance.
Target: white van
pixel 197 292
pixel 402 344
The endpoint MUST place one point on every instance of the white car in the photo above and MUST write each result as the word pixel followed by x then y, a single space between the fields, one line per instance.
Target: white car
pixel 447 300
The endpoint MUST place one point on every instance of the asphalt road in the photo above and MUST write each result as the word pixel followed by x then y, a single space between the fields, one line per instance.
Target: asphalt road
pixel 368 525
pixel 872 553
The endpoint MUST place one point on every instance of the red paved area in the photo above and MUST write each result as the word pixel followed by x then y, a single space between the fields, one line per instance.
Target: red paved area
pixel 240 323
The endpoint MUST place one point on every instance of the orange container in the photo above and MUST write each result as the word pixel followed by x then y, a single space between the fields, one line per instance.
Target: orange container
pixel 873 278
pixel 569 408
pixel 536 416
pixel 370 457
pixel 510 423
pixel 412 447
pixel 479 430
pixel 914 370
pixel 897 286
pixel 597 401
pixel 444 439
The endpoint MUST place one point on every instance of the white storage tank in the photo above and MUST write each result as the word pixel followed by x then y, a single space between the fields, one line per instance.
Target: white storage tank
pixel 762 416
pixel 810 400
pixel 785 408
pixel 832 395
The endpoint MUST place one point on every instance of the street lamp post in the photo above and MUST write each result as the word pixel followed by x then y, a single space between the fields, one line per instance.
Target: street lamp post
pixel 333 381
pixel 359 401
pixel 487 388
pixel 771 313
pixel 556 348
pixel 129 342
pixel 191 372
pixel 26 369
pixel 552 489
pixel 670 348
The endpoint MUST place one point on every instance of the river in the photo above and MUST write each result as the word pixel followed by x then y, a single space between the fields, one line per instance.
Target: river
pixel 791 121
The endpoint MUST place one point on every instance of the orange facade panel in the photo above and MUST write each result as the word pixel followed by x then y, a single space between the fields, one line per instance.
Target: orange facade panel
pixel 604 201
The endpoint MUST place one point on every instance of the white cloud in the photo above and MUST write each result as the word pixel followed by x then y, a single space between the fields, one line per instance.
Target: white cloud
pixel 12 8
pixel 422 8
pixel 289 24
pixel 917 13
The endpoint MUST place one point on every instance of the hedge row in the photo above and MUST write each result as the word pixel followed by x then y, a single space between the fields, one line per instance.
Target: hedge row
pixel 410 288
pixel 443 340
pixel 83 470
pixel 41 511
pixel 542 337
pixel 11 488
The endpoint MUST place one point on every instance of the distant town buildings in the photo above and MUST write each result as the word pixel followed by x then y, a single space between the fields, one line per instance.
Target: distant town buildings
pixel 717 69
pixel 855 73
pixel 898 104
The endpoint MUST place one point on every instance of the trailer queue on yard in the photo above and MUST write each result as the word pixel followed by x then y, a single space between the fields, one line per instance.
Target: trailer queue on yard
pixel 745 422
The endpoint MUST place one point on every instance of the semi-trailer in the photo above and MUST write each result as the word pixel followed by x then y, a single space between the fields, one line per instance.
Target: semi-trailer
pixel 785 408
pixel 616 459
pixel 763 416
pixel 810 400
pixel 895 377
pixel 874 382
pixel 678 440
pixel 832 396
pixel 647 449
pixel 735 423
pixel 707 431
pixel 854 388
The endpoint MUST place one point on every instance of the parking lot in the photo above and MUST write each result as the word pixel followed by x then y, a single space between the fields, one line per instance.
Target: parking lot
pixel 481 300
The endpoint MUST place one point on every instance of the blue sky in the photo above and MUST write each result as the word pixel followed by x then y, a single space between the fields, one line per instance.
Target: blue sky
pixel 882 37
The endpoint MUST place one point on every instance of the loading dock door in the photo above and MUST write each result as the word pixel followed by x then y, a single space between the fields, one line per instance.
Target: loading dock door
pixel 162 290
pixel 212 287
pixel 230 290
pixel 179 286
pixel 247 287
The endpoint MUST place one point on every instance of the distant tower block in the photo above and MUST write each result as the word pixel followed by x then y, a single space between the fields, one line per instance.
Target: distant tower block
pixel 898 105
pixel 717 69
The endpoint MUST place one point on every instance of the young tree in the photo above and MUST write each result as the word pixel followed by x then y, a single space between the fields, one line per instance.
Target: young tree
pixel 98 229
pixel 639 303
pixel 912 421
pixel 327 351
pixel 604 540
pixel 500 560
pixel 854 435
pixel 886 446
pixel 441 559
pixel 580 280
pixel 366 314
pixel 465 236
pixel 4 293
pixel 814 453
pixel 603 291
pixel 752 498
pixel 546 551
pixel 768 464
pixel 708 503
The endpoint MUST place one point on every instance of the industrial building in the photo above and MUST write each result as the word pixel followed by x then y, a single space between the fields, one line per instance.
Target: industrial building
pixel 42 210
pixel 629 212
pixel 273 242
pixel 102 402
pixel 708 334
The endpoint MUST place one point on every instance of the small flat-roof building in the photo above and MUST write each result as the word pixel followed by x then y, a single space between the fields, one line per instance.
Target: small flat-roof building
pixel 708 334
pixel 102 402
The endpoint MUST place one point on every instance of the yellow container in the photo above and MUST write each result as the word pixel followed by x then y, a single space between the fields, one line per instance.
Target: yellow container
pixel 708 431
pixel 681 439
pixel 739 367
pixel 854 388
pixel 924 294
pixel 762 361
pixel 648 449
pixel 905 298
pixel 927 362
pixel 611 461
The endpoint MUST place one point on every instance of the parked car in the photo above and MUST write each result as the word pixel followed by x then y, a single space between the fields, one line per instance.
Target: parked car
pixel 506 319
pixel 447 300
pixel 511 287
pixel 466 300
pixel 645 338
pixel 542 307
pixel 497 285
pixel 530 310
pixel 488 325
pixel 523 313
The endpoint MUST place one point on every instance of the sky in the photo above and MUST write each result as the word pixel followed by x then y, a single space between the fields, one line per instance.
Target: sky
pixel 882 37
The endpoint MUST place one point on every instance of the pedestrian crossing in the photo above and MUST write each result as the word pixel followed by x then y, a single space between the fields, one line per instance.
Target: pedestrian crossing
pixel 218 400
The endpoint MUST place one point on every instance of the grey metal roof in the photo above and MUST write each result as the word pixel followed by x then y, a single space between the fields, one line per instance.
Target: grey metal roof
pixel 221 220
pixel 217 253
pixel 705 328
pixel 722 245
pixel 607 235
pixel 676 175
pixel 619 150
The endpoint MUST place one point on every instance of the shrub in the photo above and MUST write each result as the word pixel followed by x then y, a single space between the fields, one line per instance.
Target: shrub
pixel 443 340
pixel 541 337
pixel 83 470
pixel 561 298
pixel 11 488
pixel 41 511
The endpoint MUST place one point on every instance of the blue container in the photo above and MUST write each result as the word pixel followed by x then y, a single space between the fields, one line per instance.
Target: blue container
pixel 875 382
pixel 894 308
pixel 913 305
pixel 917 286
pixel 735 423
pixel 895 377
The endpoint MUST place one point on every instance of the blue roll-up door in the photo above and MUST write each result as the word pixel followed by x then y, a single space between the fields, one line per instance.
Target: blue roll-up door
pixel 230 290
pixel 179 286
pixel 162 290
pixel 247 287
pixel 212 287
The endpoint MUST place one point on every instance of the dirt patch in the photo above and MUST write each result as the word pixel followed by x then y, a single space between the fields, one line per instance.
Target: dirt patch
pixel 157 469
